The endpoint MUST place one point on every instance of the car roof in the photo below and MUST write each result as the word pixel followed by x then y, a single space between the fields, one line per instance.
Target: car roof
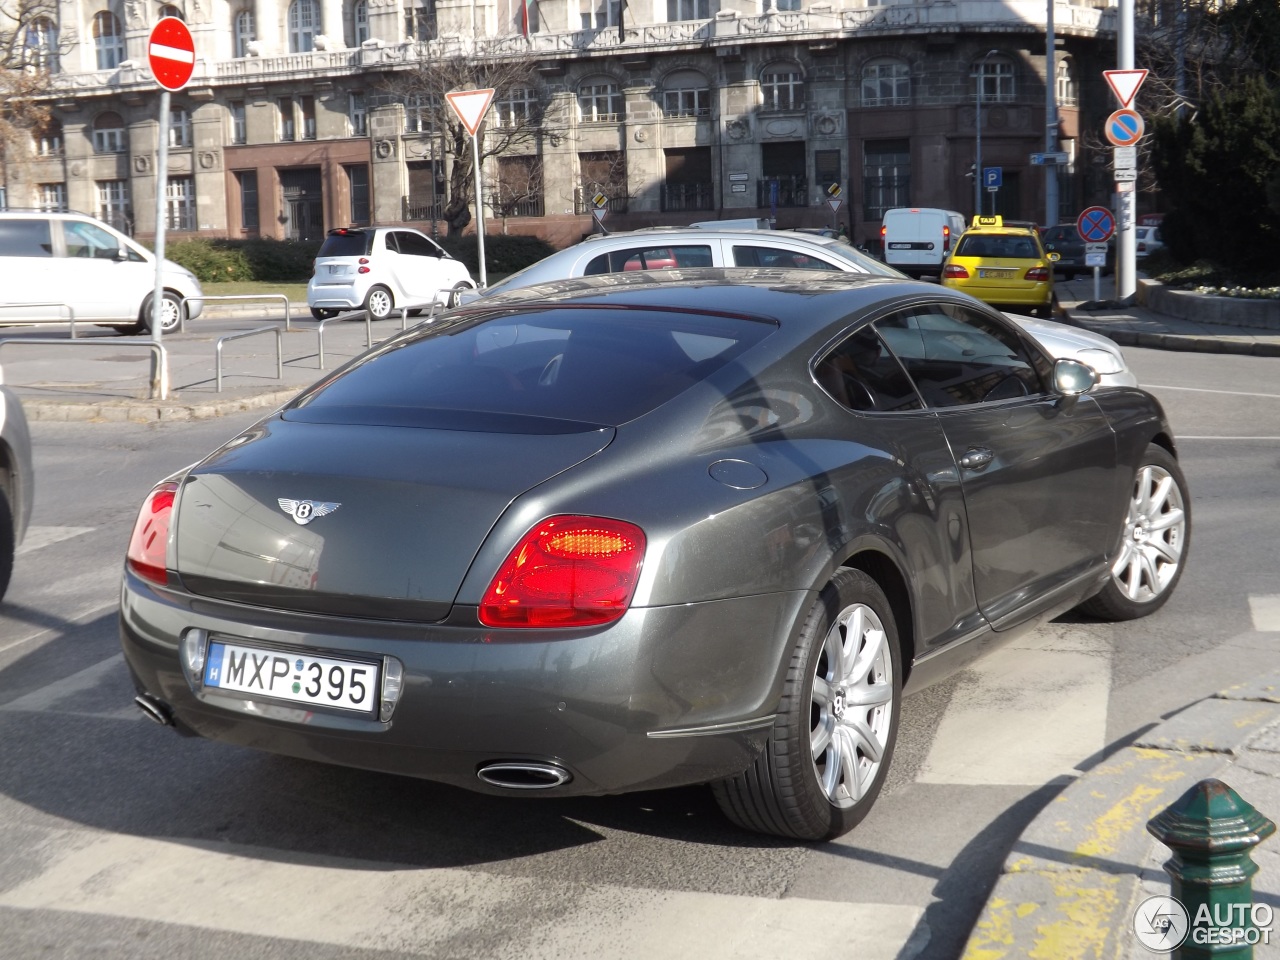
pixel 705 233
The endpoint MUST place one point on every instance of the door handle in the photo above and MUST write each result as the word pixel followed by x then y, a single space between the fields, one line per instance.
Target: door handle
pixel 975 458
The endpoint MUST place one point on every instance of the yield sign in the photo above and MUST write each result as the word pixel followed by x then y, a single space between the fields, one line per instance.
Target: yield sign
pixel 835 205
pixel 470 106
pixel 171 53
pixel 1125 83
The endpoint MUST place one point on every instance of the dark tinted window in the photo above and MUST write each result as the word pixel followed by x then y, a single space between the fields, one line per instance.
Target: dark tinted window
pixel 534 371
pixel 651 258
pixel 416 245
pixel 349 243
pixel 25 238
pixel 863 375
pixel 997 245
pixel 752 256
pixel 958 356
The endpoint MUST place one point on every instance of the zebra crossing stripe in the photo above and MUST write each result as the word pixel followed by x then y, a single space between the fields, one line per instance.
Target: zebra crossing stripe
pixel 1266 613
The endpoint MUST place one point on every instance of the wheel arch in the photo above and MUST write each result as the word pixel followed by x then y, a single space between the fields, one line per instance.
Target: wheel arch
pixel 144 309
pixel 884 570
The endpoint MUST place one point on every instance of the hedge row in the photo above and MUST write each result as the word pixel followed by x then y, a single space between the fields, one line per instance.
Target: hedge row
pixel 289 261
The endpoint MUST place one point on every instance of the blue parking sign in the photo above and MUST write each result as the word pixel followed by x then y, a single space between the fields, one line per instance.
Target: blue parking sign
pixel 993 177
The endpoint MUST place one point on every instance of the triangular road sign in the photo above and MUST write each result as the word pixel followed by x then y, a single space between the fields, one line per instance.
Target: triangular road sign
pixel 1125 83
pixel 470 106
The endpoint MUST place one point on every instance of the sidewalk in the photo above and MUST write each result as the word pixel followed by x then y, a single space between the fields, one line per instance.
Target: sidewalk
pixel 1073 881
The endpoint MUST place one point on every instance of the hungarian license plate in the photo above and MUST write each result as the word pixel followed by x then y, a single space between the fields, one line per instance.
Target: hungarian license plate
pixel 995 274
pixel 296 677
pixel 336 268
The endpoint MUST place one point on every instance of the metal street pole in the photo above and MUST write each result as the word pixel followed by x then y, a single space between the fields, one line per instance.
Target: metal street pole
pixel 977 140
pixel 1126 246
pixel 159 368
pixel 1050 119
pixel 475 155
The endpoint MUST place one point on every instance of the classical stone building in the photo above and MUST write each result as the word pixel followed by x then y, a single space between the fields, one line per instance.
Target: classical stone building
pixel 673 110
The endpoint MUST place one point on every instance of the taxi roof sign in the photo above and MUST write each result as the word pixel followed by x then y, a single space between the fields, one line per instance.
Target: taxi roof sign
pixel 981 221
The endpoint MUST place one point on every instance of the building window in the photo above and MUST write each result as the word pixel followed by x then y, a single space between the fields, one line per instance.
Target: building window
pixel 179 127
pixel 418 111
pixel 239 130
pixel 599 102
pixel 518 105
pixel 782 88
pixel 358 185
pixel 169 10
pixel 109 134
pixel 786 6
pixel 288 127
pixel 886 176
pixel 307 107
pixel 420 21
pixel 606 173
pixel 599 14
pixel 358 114
pixel 995 80
pixel 53 196
pixel 360 22
pixel 108 42
pixel 244 30
pixel 41 44
pixel 518 191
pixel 688 10
pixel 304 17
pixel 248 181
pixel 180 204
pixel 113 204
pixel 886 83
pixel 686 94
pixel 1066 84
pixel 48 139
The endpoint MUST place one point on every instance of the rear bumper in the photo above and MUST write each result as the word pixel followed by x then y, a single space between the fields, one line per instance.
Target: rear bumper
pixel 665 697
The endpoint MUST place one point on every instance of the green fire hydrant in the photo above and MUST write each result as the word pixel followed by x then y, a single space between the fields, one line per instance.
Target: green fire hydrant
pixel 1211 831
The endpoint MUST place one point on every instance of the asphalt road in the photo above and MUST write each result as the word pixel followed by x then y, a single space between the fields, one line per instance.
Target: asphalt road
pixel 119 839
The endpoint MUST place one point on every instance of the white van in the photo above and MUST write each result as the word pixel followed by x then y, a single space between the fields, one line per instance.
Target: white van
pixel 76 260
pixel 917 240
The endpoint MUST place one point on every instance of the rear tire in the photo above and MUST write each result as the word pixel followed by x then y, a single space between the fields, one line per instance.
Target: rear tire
pixel 1153 542
pixel 319 313
pixel 379 303
pixel 837 721
pixel 7 544
pixel 455 294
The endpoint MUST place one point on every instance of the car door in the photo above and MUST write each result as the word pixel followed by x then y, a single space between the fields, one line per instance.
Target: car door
pixel 420 259
pixel 1038 470
pixel 406 268
pixel 105 282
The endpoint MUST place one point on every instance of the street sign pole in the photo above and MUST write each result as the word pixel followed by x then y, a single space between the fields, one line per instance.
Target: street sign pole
pixel 159 369
pixel 471 106
pixel 475 155
pixel 1126 246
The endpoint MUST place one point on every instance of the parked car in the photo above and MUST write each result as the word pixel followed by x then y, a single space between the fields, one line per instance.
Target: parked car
pixel 79 262
pixel 377 269
pixel 917 240
pixel 1064 239
pixel 17 481
pixel 629 532
pixel 665 248
pixel 1002 265
pixel 1148 240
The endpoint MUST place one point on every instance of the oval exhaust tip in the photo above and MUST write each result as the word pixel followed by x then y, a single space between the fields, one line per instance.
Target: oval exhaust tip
pixel 523 775
pixel 155 709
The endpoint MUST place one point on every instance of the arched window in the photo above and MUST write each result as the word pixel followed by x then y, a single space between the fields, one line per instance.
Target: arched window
pixel 108 41
pixel 686 93
pixel 359 22
pixel 995 80
pixel 244 32
pixel 169 10
pixel 782 87
pixel 179 126
pixel 886 83
pixel 41 44
pixel 109 134
pixel 1066 84
pixel 304 22
pixel 599 101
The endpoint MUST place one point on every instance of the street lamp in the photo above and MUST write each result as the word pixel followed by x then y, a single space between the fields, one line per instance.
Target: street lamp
pixel 977 153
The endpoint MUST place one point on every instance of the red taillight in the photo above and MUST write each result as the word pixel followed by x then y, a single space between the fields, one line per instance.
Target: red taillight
pixel 1039 274
pixel 362 269
pixel 946 239
pixel 566 572
pixel 363 260
pixel 1142 248
pixel 883 230
pixel 953 271
pixel 148 547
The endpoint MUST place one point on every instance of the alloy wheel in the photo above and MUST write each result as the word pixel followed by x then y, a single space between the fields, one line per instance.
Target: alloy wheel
pixel 1154 535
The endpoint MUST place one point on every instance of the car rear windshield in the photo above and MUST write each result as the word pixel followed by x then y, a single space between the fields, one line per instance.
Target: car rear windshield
pixel 998 246
pixel 352 243
pixel 543 371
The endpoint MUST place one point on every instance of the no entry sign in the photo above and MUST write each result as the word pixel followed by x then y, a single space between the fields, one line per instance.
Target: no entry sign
pixel 171 53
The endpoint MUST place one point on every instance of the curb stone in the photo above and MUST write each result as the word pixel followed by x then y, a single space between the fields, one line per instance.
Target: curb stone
pixel 150 411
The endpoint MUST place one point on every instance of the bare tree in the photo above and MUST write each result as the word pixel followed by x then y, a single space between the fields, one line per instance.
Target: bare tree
pixel 515 125
pixel 518 191
pixel 29 54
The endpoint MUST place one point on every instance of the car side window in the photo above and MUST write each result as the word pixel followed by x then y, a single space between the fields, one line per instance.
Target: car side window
pixel 862 374
pixel 749 255
pixel 25 238
pixel 650 258
pixel 415 245
pixel 389 241
pixel 958 356
pixel 87 240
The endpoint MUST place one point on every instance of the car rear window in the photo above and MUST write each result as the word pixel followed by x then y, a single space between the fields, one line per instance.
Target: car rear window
pixel 351 243
pixel 545 371
pixel 25 238
pixel 997 246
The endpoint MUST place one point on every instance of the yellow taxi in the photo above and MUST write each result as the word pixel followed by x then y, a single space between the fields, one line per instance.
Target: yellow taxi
pixel 1002 265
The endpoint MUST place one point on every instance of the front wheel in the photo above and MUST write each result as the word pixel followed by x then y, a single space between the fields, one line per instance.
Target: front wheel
pixel 170 314
pixel 833 737
pixel 1153 542
pixel 455 295
pixel 379 303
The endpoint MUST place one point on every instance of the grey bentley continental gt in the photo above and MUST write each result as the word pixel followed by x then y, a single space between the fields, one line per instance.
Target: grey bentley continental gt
pixel 645 530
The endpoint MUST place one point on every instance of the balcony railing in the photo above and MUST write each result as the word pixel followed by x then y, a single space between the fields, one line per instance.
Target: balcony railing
pixel 424 208
pixel 791 192
pixel 524 207
pixel 677 197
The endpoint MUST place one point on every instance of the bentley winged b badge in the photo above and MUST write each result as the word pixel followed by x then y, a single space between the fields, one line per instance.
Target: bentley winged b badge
pixel 304 511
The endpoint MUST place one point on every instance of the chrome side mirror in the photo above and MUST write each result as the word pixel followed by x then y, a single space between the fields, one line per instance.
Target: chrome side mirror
pixel 1071 378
